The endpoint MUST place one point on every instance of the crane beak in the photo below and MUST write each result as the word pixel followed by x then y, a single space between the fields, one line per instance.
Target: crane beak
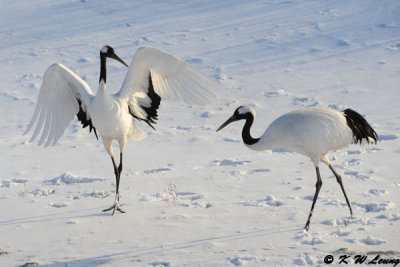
pixel 114 56
pixel 231 119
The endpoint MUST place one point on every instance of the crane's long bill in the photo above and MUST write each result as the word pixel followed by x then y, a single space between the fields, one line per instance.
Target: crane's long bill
pixel 114 56
pixel 231 119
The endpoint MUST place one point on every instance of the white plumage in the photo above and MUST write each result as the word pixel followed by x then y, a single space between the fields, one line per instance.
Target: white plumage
pixel 57 104
pixel 152 74
pixel 312 132
pixel 172 78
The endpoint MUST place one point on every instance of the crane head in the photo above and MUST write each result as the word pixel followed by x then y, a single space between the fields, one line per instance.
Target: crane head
pixel 108 51
pixel 241 113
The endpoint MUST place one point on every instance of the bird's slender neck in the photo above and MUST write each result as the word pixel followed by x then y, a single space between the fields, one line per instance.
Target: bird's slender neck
pixel 103 69
pixel 246 136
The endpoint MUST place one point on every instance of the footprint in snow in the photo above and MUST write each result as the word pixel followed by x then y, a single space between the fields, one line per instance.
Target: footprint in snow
pixel 332 12
pixel 229 162
pixel 374 207
pixel 183 128
pixel 334 222
pixel 97 194
pixel 206 114
pixel 355 152
pixel 390 217
pixel 160 264
pixel 351 173
pixel 151 198
pixel 305 101
pixel 281 150
pixel 334 202
pixel 343 43
pixel 84 60
pixel 316 49
pixel 310 198
pixel 41 192
pixel 219 74
pixel 151 171
pixel 307 238
pixel 387 26
pixel 58 205
pixel 3 252
pixel 395 47
pixel 245 260
pixel 341 232
pixel 363 221
pixel 181 199
pixel 376 192
pixel 358 176
pixel 269 201
pixel 67 178
pixel 352 162
pixel 191 200
pixel 195 60
pixel 369 240
pixel 387 137
pixel 13 182
pixel 277 93
pixel 159 170
pixel 259 170
pixel 231 140
pixel 338 107
pixel 373 149
pixel 180 34
pixel 305 260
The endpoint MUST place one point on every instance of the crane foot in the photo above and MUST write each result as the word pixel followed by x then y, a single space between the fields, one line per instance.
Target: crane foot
pixel 114 208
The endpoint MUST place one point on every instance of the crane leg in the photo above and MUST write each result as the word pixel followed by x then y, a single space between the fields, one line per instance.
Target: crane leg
pixel 117 171
pixel 118 182
pixel 339 180
pixel 317 189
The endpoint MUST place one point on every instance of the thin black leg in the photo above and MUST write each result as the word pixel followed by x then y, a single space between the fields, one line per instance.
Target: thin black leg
pixel 317 189
pixel 115 168
pixel 339 180
pixel 117 172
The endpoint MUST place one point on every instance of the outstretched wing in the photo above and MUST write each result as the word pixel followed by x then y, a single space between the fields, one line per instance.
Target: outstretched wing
pixel 154 74
pixel 63 95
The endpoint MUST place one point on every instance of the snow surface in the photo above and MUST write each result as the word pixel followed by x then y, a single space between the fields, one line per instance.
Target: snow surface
pixel 195 197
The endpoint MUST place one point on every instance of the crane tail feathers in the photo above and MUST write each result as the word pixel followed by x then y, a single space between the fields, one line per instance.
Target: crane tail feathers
pixel 361 129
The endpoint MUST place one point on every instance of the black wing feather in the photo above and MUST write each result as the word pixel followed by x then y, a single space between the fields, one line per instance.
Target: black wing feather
pixel 359 126
pixel 151 111
pixel 83 119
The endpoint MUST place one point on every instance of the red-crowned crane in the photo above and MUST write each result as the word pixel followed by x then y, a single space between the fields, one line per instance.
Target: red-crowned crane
pixel 312 132
pixel 153 74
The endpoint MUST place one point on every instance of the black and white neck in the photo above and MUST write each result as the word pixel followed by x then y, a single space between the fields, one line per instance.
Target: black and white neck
pixel 246 136
pixel 105 52
pixel 248 114
pixel 103 69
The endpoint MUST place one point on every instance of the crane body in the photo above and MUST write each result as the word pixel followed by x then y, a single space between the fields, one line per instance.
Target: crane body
pixel 153 74
pixel 312 132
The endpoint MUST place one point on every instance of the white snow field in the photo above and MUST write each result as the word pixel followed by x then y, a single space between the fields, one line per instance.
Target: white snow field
pixel 231 206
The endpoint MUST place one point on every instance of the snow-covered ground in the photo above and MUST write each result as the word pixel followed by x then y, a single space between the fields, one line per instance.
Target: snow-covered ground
pixel 233 206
